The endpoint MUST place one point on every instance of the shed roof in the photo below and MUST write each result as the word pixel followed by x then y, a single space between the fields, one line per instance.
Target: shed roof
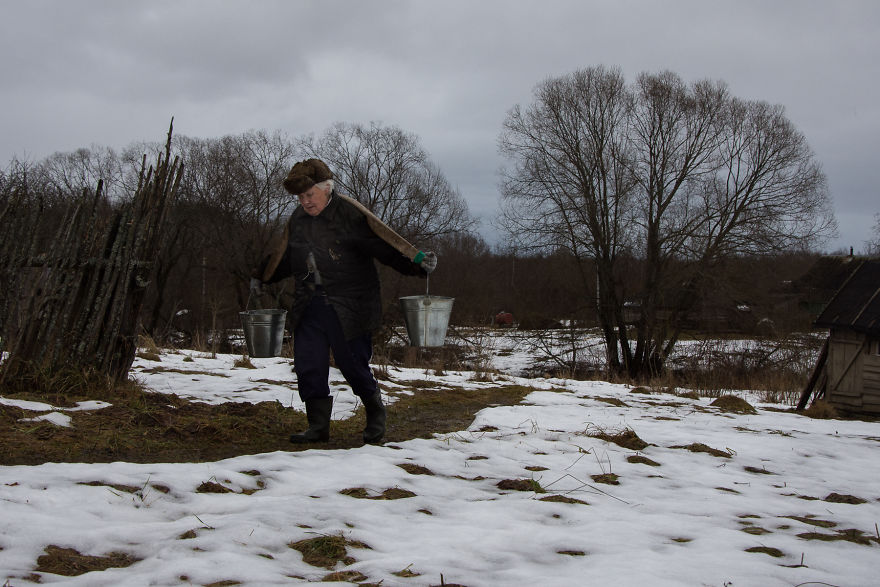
pixel 856 304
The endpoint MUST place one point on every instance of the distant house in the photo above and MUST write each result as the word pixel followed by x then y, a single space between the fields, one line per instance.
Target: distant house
pixel 847 373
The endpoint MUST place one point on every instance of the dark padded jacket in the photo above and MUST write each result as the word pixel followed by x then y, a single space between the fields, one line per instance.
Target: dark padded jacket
pixel 344 247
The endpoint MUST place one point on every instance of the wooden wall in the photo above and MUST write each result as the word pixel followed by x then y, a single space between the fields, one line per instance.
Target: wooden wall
pixel 853 373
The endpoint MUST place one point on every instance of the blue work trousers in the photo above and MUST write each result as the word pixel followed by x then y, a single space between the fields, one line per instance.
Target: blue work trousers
pixel 319 331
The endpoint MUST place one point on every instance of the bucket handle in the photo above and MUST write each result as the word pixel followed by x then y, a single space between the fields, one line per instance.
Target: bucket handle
pixel 257 303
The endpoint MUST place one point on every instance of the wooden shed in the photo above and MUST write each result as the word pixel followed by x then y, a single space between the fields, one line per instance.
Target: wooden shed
pixel 847 373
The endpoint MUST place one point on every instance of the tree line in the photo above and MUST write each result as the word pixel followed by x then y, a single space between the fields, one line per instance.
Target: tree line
pixel 642 208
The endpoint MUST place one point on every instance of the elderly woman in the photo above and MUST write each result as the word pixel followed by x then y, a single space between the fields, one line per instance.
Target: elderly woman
pixel 330 249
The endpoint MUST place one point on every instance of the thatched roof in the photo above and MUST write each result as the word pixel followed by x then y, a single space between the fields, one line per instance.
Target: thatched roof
pixel 856 305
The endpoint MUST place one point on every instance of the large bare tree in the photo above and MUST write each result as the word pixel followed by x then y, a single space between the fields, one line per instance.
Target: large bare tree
pixel 660 180
pixel 571 186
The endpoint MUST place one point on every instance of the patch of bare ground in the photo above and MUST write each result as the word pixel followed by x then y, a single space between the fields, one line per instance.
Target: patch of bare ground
pixel 732 403
pixel 844 498
pixel 520 485
pixel 147 427
pixel 849 535
pixel 388 494
pixel 812 521
pixel 757 471
pixel 406 572
pixel 774 552
pixel 68 562
pixel 606 478
pixel 414 469
pixel 642 390
pixel 563 499
pixel 345 577
pixel 327 551
pixel 642 460
pixel 750 528
pixel 626 438
pixel 700 447
pixel 821 410
pixel 612 401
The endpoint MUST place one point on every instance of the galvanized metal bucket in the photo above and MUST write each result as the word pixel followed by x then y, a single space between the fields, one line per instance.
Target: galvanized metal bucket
pixel 427 318
pixel 263 332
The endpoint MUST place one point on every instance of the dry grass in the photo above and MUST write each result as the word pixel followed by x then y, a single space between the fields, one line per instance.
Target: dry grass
pixel 626 438
pixel 700 447
pixel 520 485
pixel 68 562
pixel 643 460
pixel 849 535
pixel 389 494
pixel 327 551
pixel 145 427
pixel 606 478
pixel 821 410
pixel 563 499
pixel 732 403
pixel 774 552
pixel 843 498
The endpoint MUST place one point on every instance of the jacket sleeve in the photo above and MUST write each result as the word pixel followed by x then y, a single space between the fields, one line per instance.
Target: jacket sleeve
pixel 377 248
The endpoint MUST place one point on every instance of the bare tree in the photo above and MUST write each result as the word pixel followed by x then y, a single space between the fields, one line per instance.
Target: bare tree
pixel 571 186
pixel 68 174
pixel 661 178
pixel 387 169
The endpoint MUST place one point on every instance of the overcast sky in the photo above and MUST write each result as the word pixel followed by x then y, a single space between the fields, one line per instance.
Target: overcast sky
pixel 77 73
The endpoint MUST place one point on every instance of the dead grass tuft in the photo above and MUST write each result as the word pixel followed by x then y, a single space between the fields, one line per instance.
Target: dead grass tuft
pixel 606 478
pixel 148 356
pixel 563 499
pixel 118 487
pixel 755 530
pixel 212 487
pixel 414 469
pixel 626 438
pixel 849 535
pixel 642 460
pixel 732 403
pixel 68 562
pixel 821 410
pixel 572 552
pixel 774 552
pixel 520 485
pixel 642 389
pixel 407 572
pixel 700 447
pixel 844 498
pixel 758 471
pixel 612 401
pixel 345 577
pixel 244 363
pixel 326 551
pixel 812 521
pixel 388 494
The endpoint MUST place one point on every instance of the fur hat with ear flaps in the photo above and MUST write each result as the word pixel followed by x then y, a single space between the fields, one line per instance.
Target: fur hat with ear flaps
pixel 305 174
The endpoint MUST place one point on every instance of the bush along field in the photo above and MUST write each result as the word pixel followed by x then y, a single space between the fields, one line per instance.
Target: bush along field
pixel 487 477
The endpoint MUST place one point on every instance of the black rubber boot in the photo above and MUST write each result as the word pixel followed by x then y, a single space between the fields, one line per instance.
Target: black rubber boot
pixel 318 415
pixel 375 429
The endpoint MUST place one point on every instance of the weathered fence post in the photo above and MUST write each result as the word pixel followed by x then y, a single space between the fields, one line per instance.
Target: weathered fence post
pixel 87 282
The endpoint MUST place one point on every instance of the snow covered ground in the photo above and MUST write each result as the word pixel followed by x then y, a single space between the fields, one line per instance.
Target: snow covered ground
pixel 757 516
